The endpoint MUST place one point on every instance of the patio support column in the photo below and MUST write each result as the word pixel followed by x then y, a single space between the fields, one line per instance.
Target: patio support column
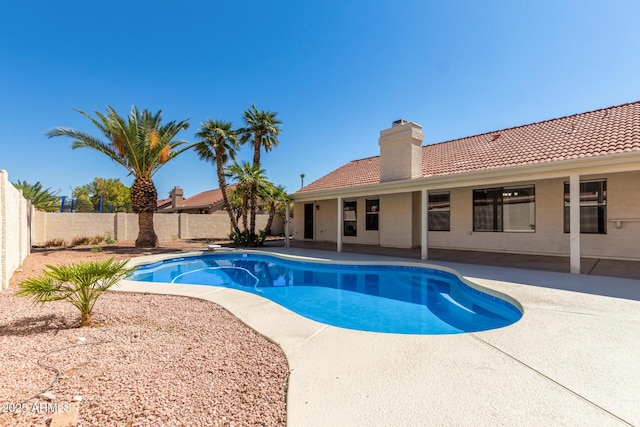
pixel 286 225
pixel 424 226
pixel 339 233
pixel 574 223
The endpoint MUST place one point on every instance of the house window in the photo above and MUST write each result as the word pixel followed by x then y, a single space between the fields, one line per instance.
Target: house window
pixel 373 207
pixel 439 211
pixel 593 207
pixel 350 223
pixel 511 209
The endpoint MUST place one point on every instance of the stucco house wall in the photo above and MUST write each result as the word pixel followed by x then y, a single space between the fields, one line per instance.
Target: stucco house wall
pixel 396 220
pixel 400 221
pixel 592 146
pixel 325 223
pixel 623 201
pixel 548 237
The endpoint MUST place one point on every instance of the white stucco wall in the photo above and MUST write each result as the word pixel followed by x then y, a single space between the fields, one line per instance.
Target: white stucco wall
pixel 548 237
pixel 623 201
pixel 396 212
pixel 400 221
pixel 325 221
pixel 15 222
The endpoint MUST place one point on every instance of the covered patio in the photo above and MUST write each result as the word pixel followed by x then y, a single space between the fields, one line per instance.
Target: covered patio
pixel 589 266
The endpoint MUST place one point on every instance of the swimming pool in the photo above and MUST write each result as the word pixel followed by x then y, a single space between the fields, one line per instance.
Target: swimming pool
pixel 377 298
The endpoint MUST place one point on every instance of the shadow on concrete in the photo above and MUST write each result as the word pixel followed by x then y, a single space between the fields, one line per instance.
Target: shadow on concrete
pixel 618 279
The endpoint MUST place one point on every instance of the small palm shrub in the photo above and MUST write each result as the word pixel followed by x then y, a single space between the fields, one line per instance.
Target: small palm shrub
pixel 81 284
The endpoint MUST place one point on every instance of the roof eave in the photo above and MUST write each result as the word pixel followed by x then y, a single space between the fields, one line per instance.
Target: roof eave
pixel 185 208
pixel 619 162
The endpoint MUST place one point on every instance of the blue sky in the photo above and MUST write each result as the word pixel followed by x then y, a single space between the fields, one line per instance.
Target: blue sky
pixel 337 72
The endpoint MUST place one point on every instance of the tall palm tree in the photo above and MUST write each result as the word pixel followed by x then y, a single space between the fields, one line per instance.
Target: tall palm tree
pixel 276 198
pixel 247 177
pixel 262 129
pixel 219 144
pixel 141 144
pixel 43 199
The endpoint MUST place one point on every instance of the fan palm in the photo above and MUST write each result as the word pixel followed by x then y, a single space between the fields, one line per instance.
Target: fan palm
pixel 218 144
pixel 80 284
pixel 262 128
pixel 142 145
pixel 276 198
pixel 247 178
pixel 41 199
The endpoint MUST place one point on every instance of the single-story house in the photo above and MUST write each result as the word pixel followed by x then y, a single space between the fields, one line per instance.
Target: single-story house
pixel 569 186
pixel 202 203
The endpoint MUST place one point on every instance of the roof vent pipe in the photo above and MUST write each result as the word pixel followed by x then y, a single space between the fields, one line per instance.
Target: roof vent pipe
pixel 398 122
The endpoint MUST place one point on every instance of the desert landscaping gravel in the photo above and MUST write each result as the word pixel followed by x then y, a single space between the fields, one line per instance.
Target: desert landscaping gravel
pixel 148 360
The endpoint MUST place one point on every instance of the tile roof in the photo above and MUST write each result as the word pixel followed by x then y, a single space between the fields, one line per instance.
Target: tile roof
pixel 164 203
pixel 601 132
pixel 211 197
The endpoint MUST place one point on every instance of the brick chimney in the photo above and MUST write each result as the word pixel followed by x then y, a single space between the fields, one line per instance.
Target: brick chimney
pixel 177 200
pixel 401 151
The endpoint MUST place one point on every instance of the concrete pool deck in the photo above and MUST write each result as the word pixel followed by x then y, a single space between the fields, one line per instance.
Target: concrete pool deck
pixel 573 358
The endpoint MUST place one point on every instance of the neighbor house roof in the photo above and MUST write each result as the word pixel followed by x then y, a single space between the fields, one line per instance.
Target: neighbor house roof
pixel 596 133
pixel 206 198
pixel 164 203
pixel 210 197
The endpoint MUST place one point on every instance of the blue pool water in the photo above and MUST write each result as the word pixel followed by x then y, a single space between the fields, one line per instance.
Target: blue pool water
pixel 378 298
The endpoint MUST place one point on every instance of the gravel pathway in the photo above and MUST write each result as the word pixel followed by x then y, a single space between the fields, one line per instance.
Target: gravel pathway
pixel 148 360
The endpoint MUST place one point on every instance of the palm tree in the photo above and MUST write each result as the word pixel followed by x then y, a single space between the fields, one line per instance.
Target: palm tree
pixel 276 198
pixel 80 284
pixel 262 128
pixel 141 144
pixel 302 180
pixel 247 178
pixel 41 199
pixel 219 143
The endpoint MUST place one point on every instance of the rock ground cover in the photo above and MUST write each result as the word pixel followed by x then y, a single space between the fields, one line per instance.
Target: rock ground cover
pixel 147 360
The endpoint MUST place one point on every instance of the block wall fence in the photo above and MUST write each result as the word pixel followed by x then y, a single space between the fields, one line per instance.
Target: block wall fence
pixel 21 227
pixel 122 226
pixel 15 229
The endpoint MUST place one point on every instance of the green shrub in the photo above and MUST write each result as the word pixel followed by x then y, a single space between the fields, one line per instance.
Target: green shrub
pixel 81 284
pixel 240 239
pixel 260 238
pixel 108 238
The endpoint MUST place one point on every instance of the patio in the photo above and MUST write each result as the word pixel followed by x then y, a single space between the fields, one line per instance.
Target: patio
pixel 590 266
pixel 572 359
